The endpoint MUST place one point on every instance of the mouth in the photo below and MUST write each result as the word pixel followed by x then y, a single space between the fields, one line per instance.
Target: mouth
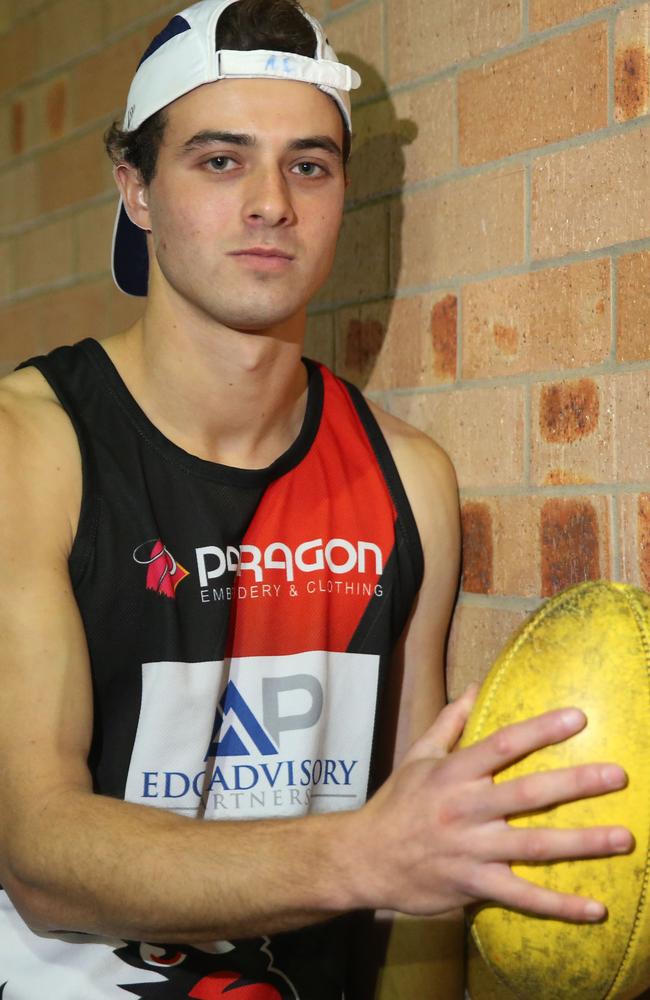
pixel 263 258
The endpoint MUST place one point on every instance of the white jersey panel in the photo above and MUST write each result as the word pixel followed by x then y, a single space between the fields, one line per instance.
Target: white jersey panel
pixel 255 737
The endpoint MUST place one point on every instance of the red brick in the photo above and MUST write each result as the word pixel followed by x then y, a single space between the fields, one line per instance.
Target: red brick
pixel 545 13
pixel 538 321
pixel 503 561
pixel 401 343
pixel 481 430
pixel 569 410
pixel 574 542
pixel 633 342
pixel 553 91
pixel 634 530
pixel 360 334
pixel 632 429
pixel 477 636
pixel 363 342
pixel 478 548
pixel 17 127
pixel 460 227
pixel 444 336
pixel 643 516
pixel 71 173
pixel 632 74
pixel 6 132
pixel 573 432
pixel 592 196
pixel 426 37
pixel 56 105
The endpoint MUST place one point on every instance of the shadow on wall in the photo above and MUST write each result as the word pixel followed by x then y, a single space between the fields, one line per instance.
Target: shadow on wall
pixel 363 283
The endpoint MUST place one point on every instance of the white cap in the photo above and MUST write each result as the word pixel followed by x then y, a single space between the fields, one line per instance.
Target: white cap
pixel 182 57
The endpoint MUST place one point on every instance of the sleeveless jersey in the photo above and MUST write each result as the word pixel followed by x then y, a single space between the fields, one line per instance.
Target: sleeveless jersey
pixel 240 625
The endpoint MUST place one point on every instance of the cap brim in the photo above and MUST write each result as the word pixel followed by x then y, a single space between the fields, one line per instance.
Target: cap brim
pixel 130 256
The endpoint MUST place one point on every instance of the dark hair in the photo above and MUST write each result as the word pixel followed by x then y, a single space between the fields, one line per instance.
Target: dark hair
pixel 249 24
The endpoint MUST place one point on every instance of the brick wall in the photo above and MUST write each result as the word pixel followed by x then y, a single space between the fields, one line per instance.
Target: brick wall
pixel 493 280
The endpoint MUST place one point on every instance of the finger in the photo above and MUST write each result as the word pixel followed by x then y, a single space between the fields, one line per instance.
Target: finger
pixel 502 886
pixel 445 732
pixel 507 745
pixel 545 788
pixel 541 844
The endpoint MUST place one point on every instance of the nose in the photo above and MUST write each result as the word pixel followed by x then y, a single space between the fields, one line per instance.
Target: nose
pixel 268 198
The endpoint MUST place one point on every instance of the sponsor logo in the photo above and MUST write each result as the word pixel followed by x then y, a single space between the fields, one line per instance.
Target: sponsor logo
pixel 338 555
pixel 163 572
pixel 258 736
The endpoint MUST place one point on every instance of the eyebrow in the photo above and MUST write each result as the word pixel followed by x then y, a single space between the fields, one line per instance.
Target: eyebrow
pixel 208 137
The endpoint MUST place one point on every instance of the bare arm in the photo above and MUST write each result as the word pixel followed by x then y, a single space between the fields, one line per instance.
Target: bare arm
pixel 74 860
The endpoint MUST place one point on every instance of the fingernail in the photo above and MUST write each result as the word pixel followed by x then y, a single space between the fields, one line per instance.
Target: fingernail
pixel 619 840
pixel 573 717
pixel 594 910
pixel 613 776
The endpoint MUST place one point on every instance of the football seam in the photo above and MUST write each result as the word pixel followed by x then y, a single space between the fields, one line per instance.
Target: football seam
pixel 622 969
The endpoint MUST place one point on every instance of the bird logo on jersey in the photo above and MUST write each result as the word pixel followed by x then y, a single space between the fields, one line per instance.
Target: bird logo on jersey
pixel 191 973
pixel 163 572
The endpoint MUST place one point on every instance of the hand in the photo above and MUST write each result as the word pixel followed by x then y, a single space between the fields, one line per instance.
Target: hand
pixel 438 831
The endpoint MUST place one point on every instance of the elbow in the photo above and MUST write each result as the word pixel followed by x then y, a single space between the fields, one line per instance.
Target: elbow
pixel 33 903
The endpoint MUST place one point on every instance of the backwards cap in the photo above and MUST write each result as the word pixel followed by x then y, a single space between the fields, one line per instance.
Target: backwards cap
pixel 183 57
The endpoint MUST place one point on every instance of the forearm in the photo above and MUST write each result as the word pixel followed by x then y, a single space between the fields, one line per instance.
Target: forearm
pixel 102 866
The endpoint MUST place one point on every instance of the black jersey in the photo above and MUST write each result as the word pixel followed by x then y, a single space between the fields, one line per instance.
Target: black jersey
pixel 240 625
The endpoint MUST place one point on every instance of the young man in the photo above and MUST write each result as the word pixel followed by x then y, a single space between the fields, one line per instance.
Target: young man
pixel 222 572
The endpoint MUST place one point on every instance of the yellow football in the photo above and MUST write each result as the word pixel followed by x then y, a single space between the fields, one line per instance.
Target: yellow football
pixel 589 647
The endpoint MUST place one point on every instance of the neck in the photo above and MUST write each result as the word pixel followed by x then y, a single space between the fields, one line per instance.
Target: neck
pixel 233 397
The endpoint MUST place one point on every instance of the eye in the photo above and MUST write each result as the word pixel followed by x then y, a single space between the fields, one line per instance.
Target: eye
pixel 308 169
pixel 220 164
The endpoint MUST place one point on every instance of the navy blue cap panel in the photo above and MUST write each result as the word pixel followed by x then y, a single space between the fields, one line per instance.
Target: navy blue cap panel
pixel 176 26
pixel 130 257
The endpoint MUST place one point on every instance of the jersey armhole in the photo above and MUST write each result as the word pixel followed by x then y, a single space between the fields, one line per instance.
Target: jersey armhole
pixel 84 538
pixel 406 526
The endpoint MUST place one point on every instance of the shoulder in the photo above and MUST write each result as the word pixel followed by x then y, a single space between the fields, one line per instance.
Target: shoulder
pixel 29 406
pixel 427 475
pixel 39 445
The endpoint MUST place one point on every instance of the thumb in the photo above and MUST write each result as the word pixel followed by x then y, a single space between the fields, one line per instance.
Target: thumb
pixel 445 732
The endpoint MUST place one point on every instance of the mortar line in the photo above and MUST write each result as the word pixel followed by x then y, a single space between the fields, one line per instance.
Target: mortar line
pixel 614 307
pixel 616 570
pixel 611 68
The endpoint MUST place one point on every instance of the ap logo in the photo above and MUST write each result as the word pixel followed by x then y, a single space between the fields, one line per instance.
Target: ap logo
pixel 235 717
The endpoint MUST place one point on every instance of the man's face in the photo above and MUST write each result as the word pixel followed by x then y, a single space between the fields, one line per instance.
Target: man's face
pixel 247 200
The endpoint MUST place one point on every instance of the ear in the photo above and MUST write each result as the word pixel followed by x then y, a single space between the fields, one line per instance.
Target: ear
pixel 134 194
